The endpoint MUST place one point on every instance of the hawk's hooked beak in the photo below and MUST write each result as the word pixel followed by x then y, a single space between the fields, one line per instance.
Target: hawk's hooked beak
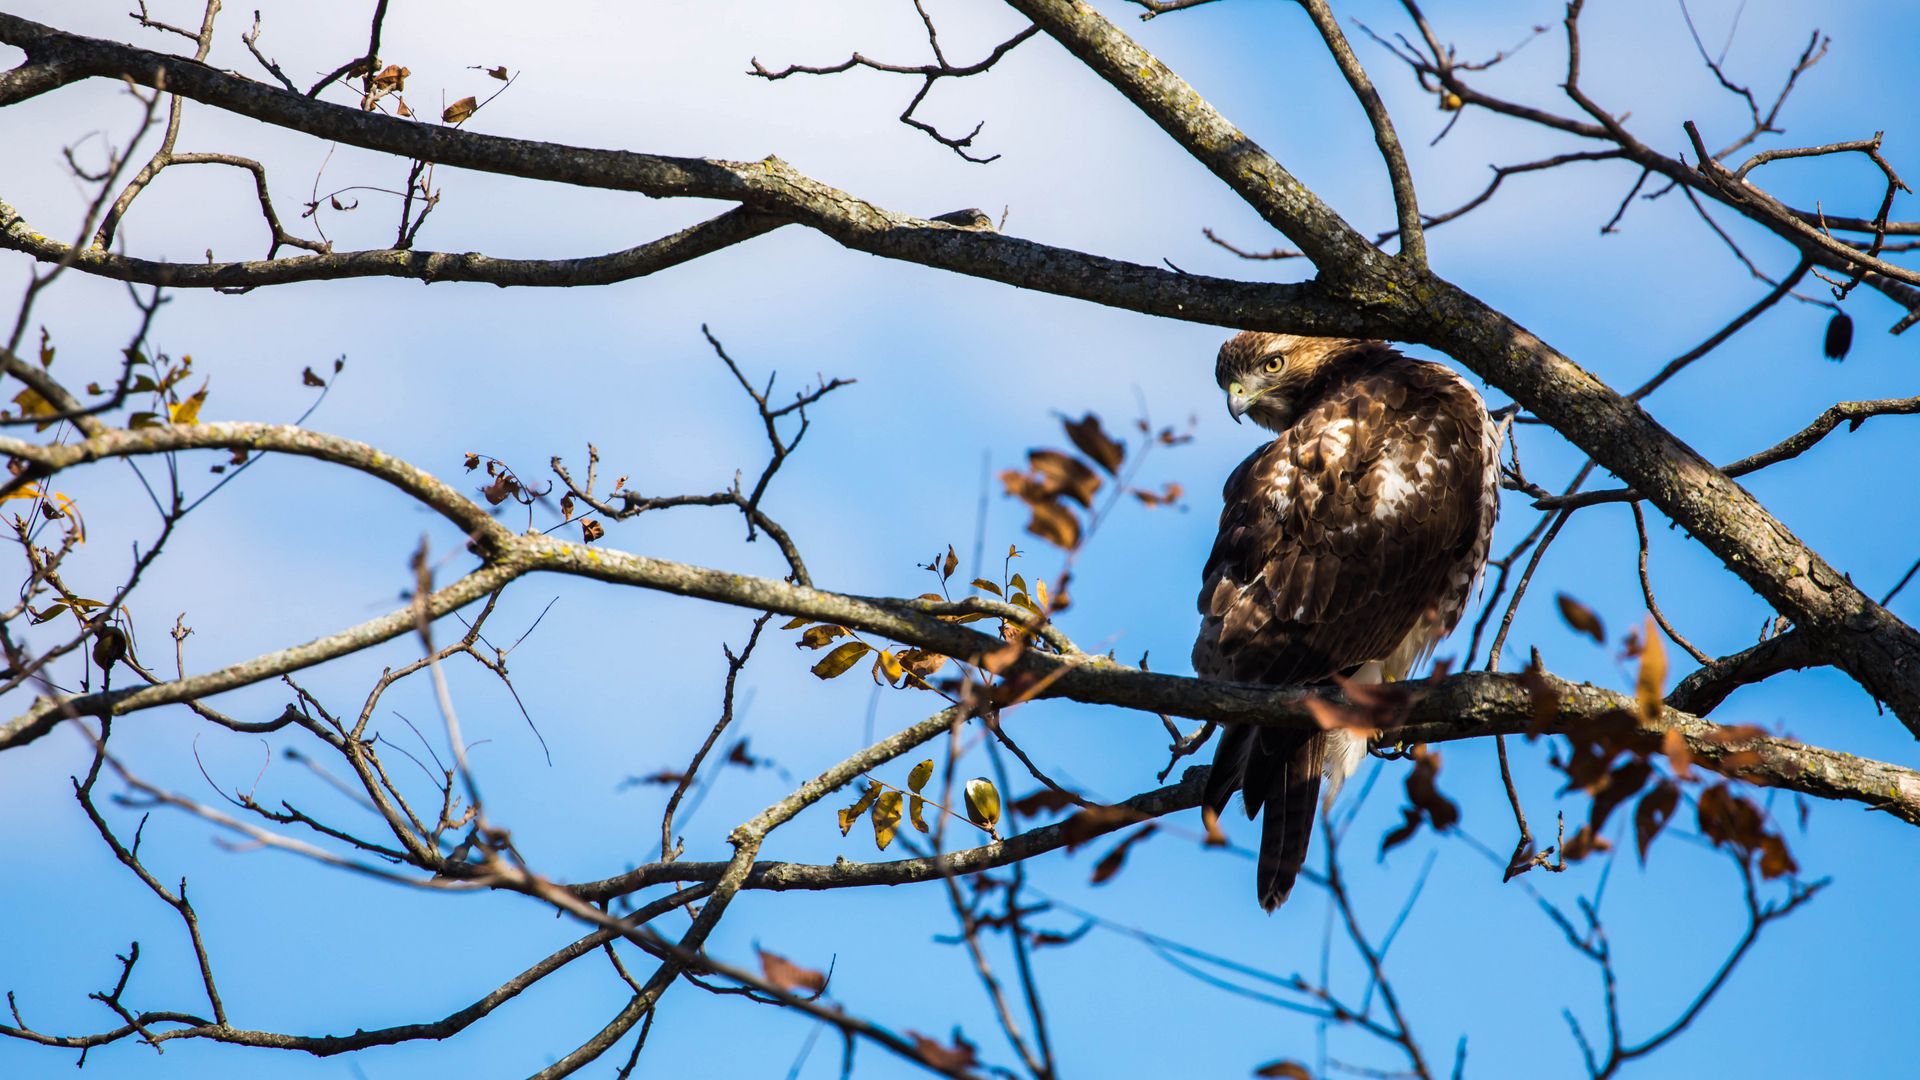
pixel 1239 401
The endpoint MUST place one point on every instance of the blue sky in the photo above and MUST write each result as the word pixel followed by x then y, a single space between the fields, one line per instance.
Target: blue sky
pixel 623 683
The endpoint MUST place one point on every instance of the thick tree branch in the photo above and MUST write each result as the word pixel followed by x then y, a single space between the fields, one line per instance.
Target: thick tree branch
pixel 1459 707
pixel 1704 690
pixel 733 227
pixel 769 185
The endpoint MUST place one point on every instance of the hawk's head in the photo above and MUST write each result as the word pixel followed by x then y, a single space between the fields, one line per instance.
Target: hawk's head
pixel 1266 375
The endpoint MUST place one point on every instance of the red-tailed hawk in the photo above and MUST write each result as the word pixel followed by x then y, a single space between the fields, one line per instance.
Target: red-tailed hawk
pixel 1349 545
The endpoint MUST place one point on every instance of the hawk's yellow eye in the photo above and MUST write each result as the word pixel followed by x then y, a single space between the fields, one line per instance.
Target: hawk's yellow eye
pixel 1274 364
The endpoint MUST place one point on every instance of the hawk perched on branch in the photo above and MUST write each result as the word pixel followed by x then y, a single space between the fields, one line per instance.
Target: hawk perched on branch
pixel 1349 545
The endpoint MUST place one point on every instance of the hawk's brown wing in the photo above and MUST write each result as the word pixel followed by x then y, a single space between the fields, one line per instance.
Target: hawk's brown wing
pixel 1360 525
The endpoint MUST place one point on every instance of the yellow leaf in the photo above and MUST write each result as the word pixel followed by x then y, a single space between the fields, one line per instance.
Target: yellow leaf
pixel 836 663
pixel 983 804
pixel 852 813
pixel 886 817
pixel 915 811
pixel 188 411
pixel 794 623
pixel 1040 593
pixel 923 772
pixel 1653 674
pixel 31 403
pixel 889 666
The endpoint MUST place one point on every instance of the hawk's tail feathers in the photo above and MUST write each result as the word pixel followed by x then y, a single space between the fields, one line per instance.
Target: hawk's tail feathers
pixel 1291 796
pixel 1278 773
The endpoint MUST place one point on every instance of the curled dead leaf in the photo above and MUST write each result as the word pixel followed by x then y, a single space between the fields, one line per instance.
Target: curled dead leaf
pixel 1092 821
pixel 1043 801
pixel 1581 618
pixel 1655 810
pixel 1066 475
pixel 959 1057
pixel 1055 524
pixel 819 637
pixel 1112 861
pixel 785 975
pixel 1093 441
pixel 861 805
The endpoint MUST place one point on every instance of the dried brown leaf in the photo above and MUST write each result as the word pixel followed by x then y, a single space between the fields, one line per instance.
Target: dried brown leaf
pixel 959 1057
pixel 1581 618
pixel 1623 783
pixel 1065 475
pixel 783 974
pixel 1093 821
pixel 1093 441
pixel 1210 821
pixel 1647 689
pixel 1112 861
pixel 504 487
pixel 1775 859
pixel 1055 524
pixel 1583 844
pixel 1655 810
pixel 1425 803
pixel 1043 801
pixel 1674 745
